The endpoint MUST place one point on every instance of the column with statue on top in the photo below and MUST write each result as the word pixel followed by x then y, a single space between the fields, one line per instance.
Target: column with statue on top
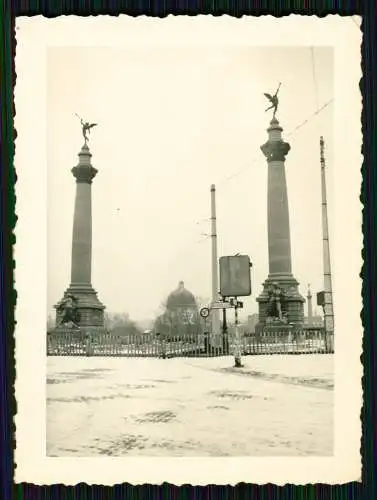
pixel 80 308
pixel 281 306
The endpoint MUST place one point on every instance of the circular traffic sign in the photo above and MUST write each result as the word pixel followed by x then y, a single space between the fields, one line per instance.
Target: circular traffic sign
pixel 204 312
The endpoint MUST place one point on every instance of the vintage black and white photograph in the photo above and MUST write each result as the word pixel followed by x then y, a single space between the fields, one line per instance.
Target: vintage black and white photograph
pixel 192 249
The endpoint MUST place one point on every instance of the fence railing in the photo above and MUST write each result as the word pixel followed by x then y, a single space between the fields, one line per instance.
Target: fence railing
pixel 68 343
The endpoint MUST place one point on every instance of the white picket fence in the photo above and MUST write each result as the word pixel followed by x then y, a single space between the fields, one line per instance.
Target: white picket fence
pixel 70 343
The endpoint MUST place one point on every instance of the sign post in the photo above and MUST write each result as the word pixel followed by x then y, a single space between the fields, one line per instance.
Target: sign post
pixel 235 276
pixel 221 305
pixel 204 313
pixel 237 348
pixel 225 328
pixel 235 282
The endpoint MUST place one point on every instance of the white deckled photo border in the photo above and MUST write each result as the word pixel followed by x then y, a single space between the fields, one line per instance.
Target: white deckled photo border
pixel 34 36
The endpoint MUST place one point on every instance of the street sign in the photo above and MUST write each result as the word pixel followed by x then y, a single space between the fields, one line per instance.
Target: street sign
pixel 235 303
pixel 204 312
pixel 221 305
pixel 235 276
pixel 321 298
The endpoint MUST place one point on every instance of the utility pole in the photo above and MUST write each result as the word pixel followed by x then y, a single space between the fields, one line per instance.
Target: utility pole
pixel 215 318
pixel 328 296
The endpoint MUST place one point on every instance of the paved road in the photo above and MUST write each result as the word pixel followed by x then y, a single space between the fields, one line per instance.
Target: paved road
pixel 274 406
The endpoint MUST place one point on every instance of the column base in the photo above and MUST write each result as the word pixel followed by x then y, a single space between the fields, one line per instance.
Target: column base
pixel 90 310
pixel 293 304
pixel 276 328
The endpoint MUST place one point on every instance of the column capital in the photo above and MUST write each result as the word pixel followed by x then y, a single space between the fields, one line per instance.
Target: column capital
pixel 84 171
pixel 84 174
pixel 275 150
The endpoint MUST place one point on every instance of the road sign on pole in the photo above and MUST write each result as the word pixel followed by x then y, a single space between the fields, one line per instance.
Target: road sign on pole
pixel 221 305
pixel 204 312
pixel 235 276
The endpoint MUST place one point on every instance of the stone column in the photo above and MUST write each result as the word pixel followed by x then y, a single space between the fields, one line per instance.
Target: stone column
pixel 81 264
pixel 279 242
pixel 90 309
pixel 310 307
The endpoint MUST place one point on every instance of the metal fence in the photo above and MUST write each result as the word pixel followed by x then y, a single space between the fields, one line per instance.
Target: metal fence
pixel 70 343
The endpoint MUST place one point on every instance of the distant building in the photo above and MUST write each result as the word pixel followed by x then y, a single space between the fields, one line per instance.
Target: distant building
pixel 181 299
pixel 181 315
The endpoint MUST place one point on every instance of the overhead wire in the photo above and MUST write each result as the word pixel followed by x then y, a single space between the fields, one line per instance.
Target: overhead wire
pixel 289 134
pixel 317 111
pixel 300 125
pixel 310 117
pixel 203 236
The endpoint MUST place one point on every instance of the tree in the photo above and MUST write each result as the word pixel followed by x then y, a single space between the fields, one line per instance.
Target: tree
pixel 178 322
pixel 203 301
pixel 121 324
pixel 50 322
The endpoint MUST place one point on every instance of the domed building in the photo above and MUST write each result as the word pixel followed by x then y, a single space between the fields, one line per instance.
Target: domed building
pixel 181 298
pixel 181 316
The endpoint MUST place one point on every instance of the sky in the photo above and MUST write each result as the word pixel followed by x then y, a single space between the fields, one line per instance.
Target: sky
pixel 171 122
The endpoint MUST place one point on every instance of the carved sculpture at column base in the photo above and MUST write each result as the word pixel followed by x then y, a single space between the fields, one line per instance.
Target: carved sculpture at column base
pixel 281 306
pixel 87 314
